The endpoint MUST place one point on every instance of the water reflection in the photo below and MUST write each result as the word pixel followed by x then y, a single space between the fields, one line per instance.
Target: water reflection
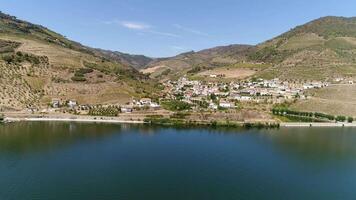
pixel 322 144
pixel 37 136
pixel 306 143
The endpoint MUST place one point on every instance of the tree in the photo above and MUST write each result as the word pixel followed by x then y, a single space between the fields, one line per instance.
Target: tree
pixel 341 118
pixel 350 119
pixel 8 58
pixel 213 97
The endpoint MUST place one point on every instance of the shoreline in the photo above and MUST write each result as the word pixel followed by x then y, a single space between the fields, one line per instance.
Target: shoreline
pixel 314 124
pixel 121 121
pixel 32 119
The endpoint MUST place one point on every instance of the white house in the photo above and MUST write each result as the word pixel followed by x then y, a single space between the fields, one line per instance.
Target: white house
pixel 56 103
pixel 225 104
pixel 72 103
pixel 126 109
pixel 154 105
pixel 213 106
pixel 243 98
pixel 146 101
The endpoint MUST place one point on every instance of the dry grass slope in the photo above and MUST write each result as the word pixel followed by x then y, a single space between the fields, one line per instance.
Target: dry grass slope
pixel 336 100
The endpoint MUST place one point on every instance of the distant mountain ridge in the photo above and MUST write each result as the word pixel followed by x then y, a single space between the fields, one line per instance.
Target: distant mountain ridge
pixel 136 61
pixel 180 64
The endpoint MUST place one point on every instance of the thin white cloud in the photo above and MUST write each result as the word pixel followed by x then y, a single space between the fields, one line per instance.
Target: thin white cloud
pixel 135 25
pixel 140 26
pixel 128 24
pixel 190 30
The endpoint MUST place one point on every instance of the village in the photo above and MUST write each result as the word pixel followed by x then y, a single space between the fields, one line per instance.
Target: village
pixel 74 107
pixel 198 95
pixel 226 95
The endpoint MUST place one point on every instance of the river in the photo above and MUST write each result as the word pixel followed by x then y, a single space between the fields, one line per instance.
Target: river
pixel 57 160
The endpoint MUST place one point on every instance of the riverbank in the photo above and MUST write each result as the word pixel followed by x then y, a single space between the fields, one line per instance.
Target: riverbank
pixel 323 124
pixel 87 120
pixel 166 121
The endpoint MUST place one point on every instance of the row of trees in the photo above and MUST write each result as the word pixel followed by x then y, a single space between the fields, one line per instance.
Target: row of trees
pixel 309 116
pixel 111 111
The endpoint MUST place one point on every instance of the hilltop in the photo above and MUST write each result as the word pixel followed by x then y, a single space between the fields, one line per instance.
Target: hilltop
pixel 38 64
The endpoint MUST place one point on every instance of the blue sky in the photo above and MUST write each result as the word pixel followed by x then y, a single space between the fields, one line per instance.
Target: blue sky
pixel 160 28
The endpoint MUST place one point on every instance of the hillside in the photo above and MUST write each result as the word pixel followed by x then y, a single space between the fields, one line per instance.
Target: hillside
pixel 38 64
pixel 319 50
pixel 136 61
pixel 197 61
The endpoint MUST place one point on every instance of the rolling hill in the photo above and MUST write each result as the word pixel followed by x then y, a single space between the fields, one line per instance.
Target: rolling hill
pixel 197 61
pixel 38 64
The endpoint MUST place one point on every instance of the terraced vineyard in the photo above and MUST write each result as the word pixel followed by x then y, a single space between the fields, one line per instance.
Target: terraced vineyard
pixel 37 65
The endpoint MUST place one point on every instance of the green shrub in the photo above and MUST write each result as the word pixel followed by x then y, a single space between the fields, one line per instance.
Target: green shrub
pixel 85 70
pixel 350 119
pixel 78 79
pixel 78 74
pixel 8 58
